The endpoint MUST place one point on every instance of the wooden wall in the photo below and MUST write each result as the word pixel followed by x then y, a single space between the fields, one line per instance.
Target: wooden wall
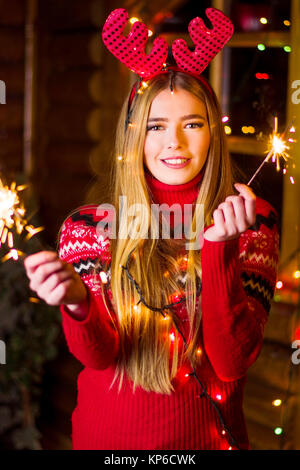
pixel 12 41
pixel 76 106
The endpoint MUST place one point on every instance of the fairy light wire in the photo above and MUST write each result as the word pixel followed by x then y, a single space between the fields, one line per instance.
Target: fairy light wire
pixel 193 374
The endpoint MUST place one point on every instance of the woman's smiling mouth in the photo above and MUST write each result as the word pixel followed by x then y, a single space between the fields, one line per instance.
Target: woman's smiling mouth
pixel 176 162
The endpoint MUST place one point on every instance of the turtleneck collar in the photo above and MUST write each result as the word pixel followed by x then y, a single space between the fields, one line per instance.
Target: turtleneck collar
pixel 185 193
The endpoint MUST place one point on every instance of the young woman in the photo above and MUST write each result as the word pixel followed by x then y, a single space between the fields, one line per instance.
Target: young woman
pixel 166 332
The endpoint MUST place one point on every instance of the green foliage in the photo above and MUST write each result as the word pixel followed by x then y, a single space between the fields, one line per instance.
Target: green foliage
pixel 29 331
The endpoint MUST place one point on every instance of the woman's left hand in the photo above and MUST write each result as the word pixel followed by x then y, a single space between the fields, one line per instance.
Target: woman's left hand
pixel 234 216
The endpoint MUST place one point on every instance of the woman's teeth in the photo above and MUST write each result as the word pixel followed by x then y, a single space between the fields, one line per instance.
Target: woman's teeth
pixel 176 161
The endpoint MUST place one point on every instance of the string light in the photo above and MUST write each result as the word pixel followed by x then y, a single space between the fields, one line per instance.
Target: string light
pixel 227 130
pixel 261 47
pixel 263 20
pixel 225 118
pixel 287 48
pixel 133 20
pixel 279 285
pixel 262 76
pixel 296 274
pixel 248 129
pixel 172 338
pixel 287 23
pixel 278 431
pixel 277 402
pixel 103 277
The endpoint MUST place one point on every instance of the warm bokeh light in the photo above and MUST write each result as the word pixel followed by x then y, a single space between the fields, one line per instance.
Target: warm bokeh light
pixel 263 20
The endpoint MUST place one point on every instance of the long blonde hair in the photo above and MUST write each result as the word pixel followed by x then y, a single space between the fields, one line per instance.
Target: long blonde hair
pixel 148 357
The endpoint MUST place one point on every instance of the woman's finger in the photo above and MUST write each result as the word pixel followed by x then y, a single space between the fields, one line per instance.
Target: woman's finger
pixel 250 201
pixel 219 222
pixel 52 282
pixel 45 270
pixel 31 262
pixel 238 204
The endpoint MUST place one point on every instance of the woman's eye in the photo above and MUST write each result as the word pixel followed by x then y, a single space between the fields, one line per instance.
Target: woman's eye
pixel 154 128
pixel 194 125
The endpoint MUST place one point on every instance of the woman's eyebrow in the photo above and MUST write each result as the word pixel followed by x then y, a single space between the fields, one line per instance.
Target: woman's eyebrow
pixel 192 116
pixel 156 119
pixel 183 118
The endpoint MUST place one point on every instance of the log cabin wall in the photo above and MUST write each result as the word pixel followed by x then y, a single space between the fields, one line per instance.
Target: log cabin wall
pixel 75 107
pixel 12 40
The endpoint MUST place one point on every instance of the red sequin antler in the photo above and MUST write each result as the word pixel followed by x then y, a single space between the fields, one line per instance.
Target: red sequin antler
pixel 131 49
pixel 208 42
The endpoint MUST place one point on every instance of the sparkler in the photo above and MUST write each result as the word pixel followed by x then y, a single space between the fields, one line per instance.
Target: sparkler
pixel 13 217
pixel 277 149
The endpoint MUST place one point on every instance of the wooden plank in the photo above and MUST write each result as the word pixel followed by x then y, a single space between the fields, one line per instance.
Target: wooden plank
pixel 66 123
pixel 280 325
pixel 12 45
pixel 262 437
pixel 69 157
pixel 258 404
pixel 81 87
pixel 273 366
pixel 72 14
pixel 74 50
pixel 11 115
pixel 12 13
pixel 13 76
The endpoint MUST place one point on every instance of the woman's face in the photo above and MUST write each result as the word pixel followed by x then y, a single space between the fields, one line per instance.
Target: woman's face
pixel 177 138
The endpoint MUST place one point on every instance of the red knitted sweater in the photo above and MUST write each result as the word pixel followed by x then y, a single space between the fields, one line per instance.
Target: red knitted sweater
pixel 238 282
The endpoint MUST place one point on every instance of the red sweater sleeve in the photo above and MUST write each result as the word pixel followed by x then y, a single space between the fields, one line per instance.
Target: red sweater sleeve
pixel 94 341
pixel 238 283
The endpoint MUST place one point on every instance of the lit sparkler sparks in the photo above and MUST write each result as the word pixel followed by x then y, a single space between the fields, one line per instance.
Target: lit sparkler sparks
pixel 277 148
pixel 12 218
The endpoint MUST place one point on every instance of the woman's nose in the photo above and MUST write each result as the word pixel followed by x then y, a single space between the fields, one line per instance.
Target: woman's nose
pixel 174 140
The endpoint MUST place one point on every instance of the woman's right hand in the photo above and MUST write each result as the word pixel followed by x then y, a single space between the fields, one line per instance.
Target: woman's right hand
pixel 55 281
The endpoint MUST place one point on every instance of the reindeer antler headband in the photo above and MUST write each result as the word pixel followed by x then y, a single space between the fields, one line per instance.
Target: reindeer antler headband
pixel 130 50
